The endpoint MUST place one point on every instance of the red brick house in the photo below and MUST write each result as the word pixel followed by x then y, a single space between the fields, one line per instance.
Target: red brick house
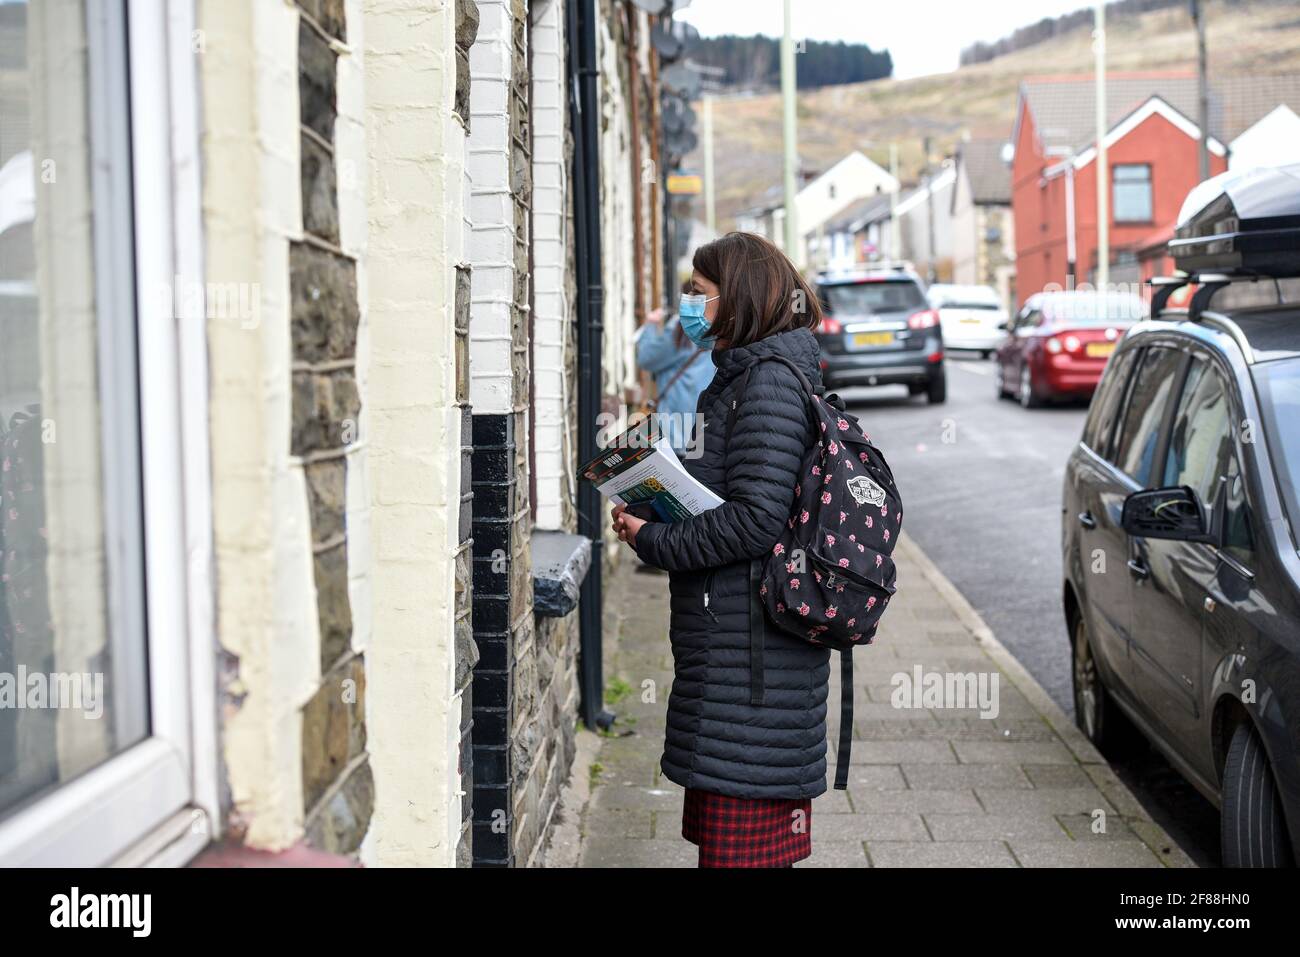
pixel 1152 146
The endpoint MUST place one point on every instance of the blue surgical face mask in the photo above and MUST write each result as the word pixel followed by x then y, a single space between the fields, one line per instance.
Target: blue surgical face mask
pixel 691 315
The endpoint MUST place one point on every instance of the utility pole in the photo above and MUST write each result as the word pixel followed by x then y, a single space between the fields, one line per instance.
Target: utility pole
pixel 1103 165
pixel 791 146
pixel 1071 254
pixel 710 210
pixel 1202 88
pixel 932 274
pixel 895 247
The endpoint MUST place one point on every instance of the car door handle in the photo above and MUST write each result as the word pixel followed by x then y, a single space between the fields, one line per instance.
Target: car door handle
pixel 1086 520
pixel 1138 570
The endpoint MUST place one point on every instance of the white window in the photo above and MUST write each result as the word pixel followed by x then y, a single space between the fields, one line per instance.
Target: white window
pixel 1131 191
pixel 106 703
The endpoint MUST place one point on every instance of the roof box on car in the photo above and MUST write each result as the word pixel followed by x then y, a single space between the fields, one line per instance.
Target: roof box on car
pixel 1243 223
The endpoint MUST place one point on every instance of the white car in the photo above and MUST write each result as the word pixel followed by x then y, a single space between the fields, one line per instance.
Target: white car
pixel 970 317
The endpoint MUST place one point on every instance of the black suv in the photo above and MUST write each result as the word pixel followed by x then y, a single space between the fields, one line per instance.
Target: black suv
pixel 879 329
pixel 1181 524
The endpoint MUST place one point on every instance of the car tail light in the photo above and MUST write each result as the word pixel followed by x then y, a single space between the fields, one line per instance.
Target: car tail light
pixel 1052 345
pixel 830 326
pixel 936 356
pixel 925 319
pixel 1071 343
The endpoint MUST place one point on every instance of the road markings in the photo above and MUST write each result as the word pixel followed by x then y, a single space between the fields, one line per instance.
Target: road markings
pixel 972 367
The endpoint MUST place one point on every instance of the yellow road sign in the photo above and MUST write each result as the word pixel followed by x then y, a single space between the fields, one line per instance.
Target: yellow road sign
pixel 685 185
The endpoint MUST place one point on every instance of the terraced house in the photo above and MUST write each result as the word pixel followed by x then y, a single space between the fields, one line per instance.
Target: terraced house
pixel 309 310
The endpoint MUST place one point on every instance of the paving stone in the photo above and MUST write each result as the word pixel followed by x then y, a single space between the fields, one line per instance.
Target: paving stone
pixel 866 827
pixel 945 854
pixel 1012 752
pixel 1044 801
pixel 874 777
pixel 599 822
pixel 961 776
pixel 604 851
pixel 916 802
pixel 616 796
pixel 1083 854
pixel 903 752
pixel 1080 827
pixel 1056 776
pixel 995 827
pixel 836 854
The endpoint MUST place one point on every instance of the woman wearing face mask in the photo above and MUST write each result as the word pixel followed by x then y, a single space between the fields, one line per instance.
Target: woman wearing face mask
pixel 746 729
pixel 681 369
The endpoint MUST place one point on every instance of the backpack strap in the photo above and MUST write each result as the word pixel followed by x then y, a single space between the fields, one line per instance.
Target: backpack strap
pixel 846 719
pixel 757 617
pixel 659 393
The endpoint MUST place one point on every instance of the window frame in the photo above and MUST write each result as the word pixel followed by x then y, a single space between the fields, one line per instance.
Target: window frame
pixel 1151 194
pixel 158 799
pixel 1101 444
pixel 1236 413
pixel 1161 448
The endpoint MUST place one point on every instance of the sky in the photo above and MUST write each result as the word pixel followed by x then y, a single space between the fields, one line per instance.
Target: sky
pixel 923 36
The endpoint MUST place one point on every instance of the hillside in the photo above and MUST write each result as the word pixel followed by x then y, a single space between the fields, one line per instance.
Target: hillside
pixel 1243 39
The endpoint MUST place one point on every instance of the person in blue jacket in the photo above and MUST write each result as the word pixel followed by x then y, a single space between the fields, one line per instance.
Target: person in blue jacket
pixel 681 370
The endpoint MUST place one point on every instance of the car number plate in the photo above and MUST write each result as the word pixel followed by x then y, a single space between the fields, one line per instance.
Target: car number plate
pixel 873 338
pixel 1099 350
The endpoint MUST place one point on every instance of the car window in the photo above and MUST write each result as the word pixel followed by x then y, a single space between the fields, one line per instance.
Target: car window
pixel 1147 399
pixel 1237 538
pixel 865 298
pixel 1279 396
pixel 1106 402
pixel 1200 444
pixel 1029 319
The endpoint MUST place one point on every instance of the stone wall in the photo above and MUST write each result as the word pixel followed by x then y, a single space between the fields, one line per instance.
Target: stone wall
pixel 338 789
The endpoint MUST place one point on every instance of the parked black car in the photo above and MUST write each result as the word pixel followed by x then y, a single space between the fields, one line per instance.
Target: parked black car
pixel 879 329
pixel 1181 523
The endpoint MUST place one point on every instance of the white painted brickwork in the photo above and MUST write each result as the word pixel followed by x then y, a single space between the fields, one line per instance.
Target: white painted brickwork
pixel 555 448
pixel 491 212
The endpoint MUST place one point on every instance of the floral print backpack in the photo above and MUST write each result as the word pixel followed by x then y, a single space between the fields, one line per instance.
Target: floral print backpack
pixel 830 575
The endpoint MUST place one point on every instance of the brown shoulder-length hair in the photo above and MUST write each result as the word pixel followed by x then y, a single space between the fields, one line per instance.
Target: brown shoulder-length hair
pixel 761 291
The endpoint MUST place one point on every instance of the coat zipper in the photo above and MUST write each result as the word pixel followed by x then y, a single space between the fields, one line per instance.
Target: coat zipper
pixel 708 583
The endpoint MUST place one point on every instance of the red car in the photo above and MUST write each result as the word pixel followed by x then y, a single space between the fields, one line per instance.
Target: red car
pixel 1058 344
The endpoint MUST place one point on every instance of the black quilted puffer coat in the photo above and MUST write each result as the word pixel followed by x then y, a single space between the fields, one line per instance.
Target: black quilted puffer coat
pixel 717 738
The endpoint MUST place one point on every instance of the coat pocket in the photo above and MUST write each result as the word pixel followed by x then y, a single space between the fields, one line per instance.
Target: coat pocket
pixel 707 595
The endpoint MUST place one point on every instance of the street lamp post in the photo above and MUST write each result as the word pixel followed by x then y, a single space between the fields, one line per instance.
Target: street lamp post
pixel 1103 167
pixel 1202 88
pixel 791 149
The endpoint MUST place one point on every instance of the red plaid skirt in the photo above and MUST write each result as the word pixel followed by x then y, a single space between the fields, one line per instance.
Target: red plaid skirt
pixel 747 832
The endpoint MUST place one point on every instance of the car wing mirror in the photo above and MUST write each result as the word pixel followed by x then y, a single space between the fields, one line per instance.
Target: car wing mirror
pixel 1173 513
pixel 1003 326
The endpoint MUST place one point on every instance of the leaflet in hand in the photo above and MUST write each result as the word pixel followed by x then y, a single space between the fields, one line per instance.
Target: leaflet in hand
pixel 642 468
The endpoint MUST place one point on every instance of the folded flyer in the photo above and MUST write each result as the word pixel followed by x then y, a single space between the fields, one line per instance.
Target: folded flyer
pixel 641 468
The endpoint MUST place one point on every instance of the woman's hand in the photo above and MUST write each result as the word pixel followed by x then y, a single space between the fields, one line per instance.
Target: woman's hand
pixel 625 525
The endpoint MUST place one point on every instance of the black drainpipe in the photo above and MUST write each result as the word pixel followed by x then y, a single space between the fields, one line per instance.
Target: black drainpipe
pixel 584 119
